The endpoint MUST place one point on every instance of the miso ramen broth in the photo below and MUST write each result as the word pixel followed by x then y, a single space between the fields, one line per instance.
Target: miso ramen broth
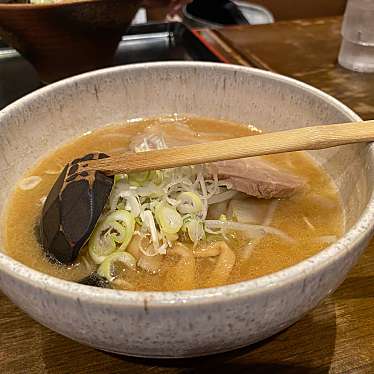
pixel 193 227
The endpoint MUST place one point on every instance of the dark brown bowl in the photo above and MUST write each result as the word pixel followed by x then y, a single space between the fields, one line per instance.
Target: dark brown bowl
pixel 65 39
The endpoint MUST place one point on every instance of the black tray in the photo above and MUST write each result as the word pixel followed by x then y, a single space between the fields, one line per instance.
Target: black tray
pixel 149 42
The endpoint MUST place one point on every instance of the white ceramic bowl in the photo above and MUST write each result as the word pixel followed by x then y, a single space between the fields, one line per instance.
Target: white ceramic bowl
pixel 189 323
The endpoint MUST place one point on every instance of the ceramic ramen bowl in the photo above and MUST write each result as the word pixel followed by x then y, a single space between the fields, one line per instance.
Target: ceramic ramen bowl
pixel 204 321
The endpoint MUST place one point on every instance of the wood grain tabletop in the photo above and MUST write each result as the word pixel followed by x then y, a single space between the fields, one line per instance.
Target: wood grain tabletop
pixel 336 337
pixel 306 50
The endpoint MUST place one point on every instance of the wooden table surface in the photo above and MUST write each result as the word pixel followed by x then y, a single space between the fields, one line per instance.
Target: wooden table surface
pixel 336 337
pixel 306 50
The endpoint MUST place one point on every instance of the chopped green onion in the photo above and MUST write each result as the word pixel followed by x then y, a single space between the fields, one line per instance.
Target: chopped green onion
pixel 119 177
pixel 118 232
pixel 151 226
pixel 195 230
pixel 166 206
pixel 157 177
pixel 139 178
pixel 127 222
pixel 106 269
pixel 189 202
pixel 186 218
pixel 118 227
pixel 168 218
pixel 101 243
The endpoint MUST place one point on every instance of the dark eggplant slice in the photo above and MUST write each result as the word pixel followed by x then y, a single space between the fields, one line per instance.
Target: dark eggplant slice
pixel 95 280
pixel 72 209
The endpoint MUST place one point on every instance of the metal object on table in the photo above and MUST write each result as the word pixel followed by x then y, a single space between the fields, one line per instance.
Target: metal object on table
pixel 162 42
pixel 255 15
pixel 148 42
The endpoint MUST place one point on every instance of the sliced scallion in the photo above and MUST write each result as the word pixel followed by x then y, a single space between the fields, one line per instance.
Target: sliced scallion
pixel 169 220
pixel 189 202
pixel 101 243
pixel 106 269
pixel 127 222
pixel 117 227
pixel 139 178
pixel 195 229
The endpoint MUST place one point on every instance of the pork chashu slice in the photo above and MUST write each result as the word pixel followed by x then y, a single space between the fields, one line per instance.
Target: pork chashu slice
pixel 258 178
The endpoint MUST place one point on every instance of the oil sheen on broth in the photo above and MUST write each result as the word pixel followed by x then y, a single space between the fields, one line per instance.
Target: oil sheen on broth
pixel 306 222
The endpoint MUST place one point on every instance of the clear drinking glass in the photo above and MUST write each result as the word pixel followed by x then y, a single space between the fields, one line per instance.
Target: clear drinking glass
pixel 357 48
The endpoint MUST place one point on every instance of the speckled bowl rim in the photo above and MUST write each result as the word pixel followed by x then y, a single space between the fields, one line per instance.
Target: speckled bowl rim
pixel 351 241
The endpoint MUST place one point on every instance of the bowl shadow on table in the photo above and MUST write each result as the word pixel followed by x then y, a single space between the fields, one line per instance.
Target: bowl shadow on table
pixel 356 287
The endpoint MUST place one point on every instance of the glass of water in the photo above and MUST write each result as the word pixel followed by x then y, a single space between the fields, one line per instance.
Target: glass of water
pixel 357 48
